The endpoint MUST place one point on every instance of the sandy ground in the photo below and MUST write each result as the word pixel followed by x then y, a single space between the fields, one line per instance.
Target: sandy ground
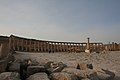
pixel 108 60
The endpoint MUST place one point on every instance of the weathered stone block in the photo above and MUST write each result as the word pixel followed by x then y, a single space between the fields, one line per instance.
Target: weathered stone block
pixel 56 67
pixel 4 49
pixel 9 76
pixel 34 69
pixel 82 73
pixel 104 74
pixel 83 66
pixel 14 67
pixel 3 65
pixel 38 76
pixel 63 76
pixel 48 64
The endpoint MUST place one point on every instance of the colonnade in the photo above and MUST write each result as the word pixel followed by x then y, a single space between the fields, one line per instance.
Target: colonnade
pixel 32 45
pixel 112 46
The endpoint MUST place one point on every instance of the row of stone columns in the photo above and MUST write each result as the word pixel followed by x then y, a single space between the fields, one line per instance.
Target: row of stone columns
pixel 43 46
pixel 112 46
pixel 23 44
pixel 96 47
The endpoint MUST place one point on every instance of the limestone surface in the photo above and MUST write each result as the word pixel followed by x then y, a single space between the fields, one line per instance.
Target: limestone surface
pixel 38 76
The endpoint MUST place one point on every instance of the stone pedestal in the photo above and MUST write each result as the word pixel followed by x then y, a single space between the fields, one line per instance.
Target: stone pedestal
pixel 87 51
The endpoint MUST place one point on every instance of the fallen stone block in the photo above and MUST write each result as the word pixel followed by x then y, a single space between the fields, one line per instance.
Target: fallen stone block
pixel 54 64
pixel 104 74
pixel 3 65
pixel 83 66
pixel 10 76
pixel 55 67
pixel 63 76
pixel 14 67
pixel 31 62
pixel 34 69
pixel 48 64
pixel 87 73
pixel 4 50
pixel 38 76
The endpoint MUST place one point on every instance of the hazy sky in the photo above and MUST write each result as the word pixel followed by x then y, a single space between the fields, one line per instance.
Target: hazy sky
pixel 61 20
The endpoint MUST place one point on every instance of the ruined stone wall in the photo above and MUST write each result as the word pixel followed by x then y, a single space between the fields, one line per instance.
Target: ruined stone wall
pixel 4 47
pixel 4 50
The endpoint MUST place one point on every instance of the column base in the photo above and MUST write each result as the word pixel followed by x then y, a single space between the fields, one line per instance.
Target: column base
pixel 87 51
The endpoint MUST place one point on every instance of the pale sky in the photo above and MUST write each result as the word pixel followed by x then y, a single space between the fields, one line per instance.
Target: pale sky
pixel 61 20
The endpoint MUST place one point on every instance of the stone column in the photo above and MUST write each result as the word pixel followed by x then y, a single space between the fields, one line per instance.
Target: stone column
pixel 88 46
pixel 60 47
pixel 76 47
pixel 44 46
pixel 81 47
pixel 98 46
pixel 41 48
pixel 95 46
pixel 119 46
pixel 114 46
pixel 64 47
pixel 17 44
pixel 88 43
pixel 30 45
pixel 102 47
pixel 53 47
pixel 38 46
pixel 50 46
pixel 47 46
pixel 34 46
pixel 10 42
pixel 14 45
pixel 56 47
pixel 70 46
pixel 22 45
